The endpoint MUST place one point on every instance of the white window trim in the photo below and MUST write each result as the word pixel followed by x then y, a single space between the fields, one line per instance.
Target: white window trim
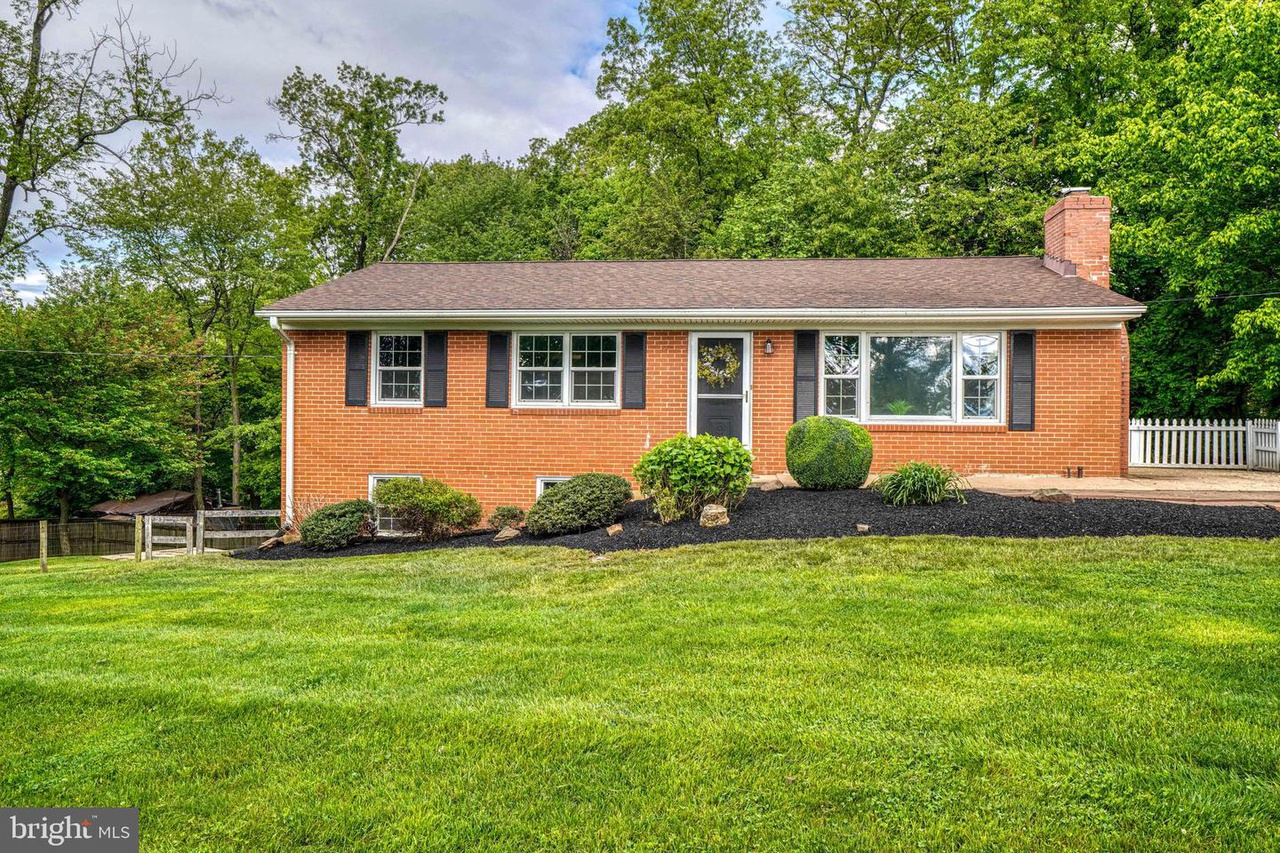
pixel 541 483
pixel 997 377
pixel 373 478
pixel 376 385
pixel 957 417
pixel 566 382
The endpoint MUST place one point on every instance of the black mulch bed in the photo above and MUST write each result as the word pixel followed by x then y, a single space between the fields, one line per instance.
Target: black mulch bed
pixel 796 514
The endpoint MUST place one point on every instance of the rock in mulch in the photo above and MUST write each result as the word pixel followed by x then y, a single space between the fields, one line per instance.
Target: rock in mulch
pixel 799 514
pixel 1051 496
pixel 506 534
pixel 713 515
pixel 613 529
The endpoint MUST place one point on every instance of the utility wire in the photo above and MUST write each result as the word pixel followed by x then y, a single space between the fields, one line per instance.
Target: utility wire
pixel 133 354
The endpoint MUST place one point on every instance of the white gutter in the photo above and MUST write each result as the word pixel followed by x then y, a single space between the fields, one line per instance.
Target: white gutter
pixel 287 517
pixel 719 316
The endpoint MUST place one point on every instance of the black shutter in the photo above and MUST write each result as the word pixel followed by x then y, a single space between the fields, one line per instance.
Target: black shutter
pixel 806 375
pixel 357 368
pixel 633 370
pixel 498 374
pixel 436 360
pixel 1022 381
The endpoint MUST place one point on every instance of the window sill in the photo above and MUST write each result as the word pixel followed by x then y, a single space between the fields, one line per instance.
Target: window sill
pixel 565 411
pixel 949 426
pixel 383 408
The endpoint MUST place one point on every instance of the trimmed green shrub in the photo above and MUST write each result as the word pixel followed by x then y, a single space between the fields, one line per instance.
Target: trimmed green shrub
pixel 826 452
pixel 584 502
pixel 685 473
pixel 337 525
pixel 919 483
pixel 429 509
pixel 506 516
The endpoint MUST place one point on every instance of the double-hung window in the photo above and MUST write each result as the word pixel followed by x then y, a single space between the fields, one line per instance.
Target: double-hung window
pixel 841 370
pixel 567 369
pixel 912 376
pixel 398 370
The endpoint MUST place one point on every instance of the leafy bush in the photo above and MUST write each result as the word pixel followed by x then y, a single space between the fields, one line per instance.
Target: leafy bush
pixel 337 525
pixel 685 473
pixel 584 502
pixel 825 452
pixel 919 483
pixel 429 509
pixel 506 516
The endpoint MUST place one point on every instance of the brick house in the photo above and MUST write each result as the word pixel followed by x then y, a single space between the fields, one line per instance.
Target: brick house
pixel 499 378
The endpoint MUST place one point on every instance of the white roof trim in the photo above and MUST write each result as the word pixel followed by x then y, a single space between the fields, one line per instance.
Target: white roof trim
pixel 705 316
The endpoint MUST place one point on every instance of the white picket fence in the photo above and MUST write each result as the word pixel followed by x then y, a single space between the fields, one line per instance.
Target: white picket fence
pixel 1190 443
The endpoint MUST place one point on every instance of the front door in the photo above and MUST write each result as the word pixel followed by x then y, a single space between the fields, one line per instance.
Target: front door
pixel 721 384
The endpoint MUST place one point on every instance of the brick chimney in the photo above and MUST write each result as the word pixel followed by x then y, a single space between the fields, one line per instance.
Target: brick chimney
pixel 1077 236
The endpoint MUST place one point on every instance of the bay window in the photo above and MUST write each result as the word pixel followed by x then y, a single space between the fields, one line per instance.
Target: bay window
pixel 912 376
pixel 567 369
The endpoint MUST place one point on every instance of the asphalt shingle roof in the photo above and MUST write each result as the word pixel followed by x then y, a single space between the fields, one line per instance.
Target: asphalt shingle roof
pixel 907 283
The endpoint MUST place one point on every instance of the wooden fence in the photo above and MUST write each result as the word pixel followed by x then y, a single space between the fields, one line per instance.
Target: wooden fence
pixel 1190 443
pixel 224 529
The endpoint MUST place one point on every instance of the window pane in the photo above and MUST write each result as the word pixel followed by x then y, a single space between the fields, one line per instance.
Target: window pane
pixel 840 355
pixel 842 397
pixel 399 384
pixel 981 355
pixel 980 398
pixel 911 376
pixel 594 351
pixel 593 386
pixel 541 386
pixel 399 350
pixel 541 350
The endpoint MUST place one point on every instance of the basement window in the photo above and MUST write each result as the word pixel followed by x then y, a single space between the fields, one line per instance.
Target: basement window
pixel 385 523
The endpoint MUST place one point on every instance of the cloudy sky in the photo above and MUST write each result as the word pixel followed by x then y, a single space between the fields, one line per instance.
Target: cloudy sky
pixel 512 69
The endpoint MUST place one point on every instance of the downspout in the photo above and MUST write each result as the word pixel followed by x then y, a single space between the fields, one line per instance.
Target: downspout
pixel 287 517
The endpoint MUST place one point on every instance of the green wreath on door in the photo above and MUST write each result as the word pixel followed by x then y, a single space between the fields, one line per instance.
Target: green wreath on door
pixel 718 366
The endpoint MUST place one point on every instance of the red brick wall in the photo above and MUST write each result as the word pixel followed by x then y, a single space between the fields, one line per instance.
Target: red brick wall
pixel 496 454
pixel 1078 229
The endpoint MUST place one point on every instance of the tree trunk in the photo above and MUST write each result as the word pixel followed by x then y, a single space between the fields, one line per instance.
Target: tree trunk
pixel 64 520
pixel 8 489
pixel 234 368
pixel 197 475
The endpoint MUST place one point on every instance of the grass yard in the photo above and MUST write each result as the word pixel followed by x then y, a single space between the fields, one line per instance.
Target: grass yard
pixel 858 694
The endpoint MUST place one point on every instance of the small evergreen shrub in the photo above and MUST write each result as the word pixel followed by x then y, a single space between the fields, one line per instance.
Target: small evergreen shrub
pixel 685 473
pixel 919 483
pixel 506 516
pixel 584 502
pixel 826 452
pixel 429 509
pixel 337 525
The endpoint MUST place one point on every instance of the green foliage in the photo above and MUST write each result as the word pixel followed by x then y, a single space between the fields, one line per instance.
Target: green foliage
pixel 506 516
pixel 917 483
pixel 826 452
pixel 685 473
pixel 584 502
pixel 429 509
pixel 337 525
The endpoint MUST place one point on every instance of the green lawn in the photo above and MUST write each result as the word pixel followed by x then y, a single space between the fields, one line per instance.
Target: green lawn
pixel 861 694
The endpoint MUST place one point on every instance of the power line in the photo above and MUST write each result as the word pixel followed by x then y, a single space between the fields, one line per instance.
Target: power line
pixel 1165 301
pixel 134 354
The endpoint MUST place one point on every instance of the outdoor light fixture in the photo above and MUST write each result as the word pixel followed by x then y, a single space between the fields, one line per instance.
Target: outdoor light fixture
pixel 768 346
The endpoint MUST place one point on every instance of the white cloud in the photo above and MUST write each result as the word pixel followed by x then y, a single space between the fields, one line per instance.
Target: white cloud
pixel 31 287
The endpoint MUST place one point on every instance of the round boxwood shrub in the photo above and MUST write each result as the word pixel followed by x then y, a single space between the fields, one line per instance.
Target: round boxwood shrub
pixel 428 509
pixel 506 516
pixel 685 473
pixel 825 452
pixel 584 502
pixel 337 525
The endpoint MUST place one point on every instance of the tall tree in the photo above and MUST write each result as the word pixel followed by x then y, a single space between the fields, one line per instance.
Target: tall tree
pixel 89 391
pixel 221 233
pixel 348 136
pixel 61 109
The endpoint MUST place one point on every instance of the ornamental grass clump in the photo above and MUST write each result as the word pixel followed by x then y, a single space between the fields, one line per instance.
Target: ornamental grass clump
pixel 427 509
pixel 337 525
pixel 584 502
pixel 919 483
pixel 685 473
pixel 826 452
